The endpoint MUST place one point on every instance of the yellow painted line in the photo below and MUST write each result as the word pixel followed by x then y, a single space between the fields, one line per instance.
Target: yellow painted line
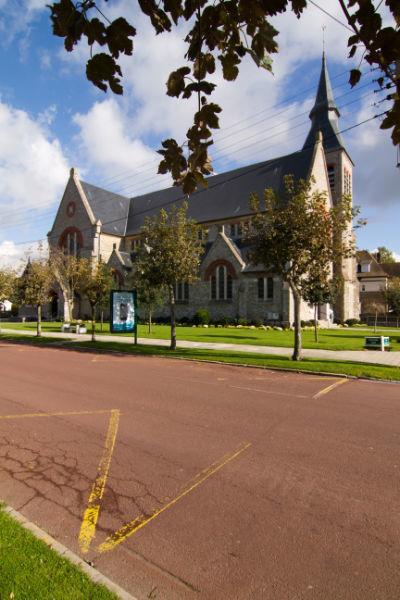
pixel 91 514
pixel 130 528
pixel 329 388
pixel 273 392
pixel 54 414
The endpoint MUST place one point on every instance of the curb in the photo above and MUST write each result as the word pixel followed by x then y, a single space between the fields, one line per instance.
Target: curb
pixel 63 551
pixel 64 345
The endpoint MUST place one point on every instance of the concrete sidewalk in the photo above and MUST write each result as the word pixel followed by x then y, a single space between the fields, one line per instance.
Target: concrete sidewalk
pixel 366 356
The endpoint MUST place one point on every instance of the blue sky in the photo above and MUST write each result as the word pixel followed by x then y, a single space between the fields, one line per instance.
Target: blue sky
pixel 51 118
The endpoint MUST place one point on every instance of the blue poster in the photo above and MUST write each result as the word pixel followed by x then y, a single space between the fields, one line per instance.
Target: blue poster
pixel 123 311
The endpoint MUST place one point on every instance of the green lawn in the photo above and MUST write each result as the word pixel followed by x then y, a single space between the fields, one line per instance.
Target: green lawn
pixel 30 570
pixel 232 357
pixel 329 339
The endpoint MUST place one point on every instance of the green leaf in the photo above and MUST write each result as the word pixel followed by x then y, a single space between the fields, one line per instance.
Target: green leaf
pixel 119 35
pixel 355 76
pixel 103 68
pixel 176 82
pixel 229 64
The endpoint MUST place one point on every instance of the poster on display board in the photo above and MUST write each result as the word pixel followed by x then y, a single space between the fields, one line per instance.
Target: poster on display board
pixel 123 311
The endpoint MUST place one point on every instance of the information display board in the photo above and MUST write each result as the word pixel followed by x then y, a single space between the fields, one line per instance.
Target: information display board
pixel 123 311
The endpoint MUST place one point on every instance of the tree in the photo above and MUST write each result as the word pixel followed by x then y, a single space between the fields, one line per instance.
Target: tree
pixel 67 270
pixel 375 307
pixel 7 284
pixel 319 289
pixel 95 283
pixel 298 237
pixel 170 254
pixel 149 296
pixel 384 255
pixel 221 32
pixel 34 287
pixel 392 295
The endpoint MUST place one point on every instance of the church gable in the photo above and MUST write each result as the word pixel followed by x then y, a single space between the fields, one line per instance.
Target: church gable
pixel 223 251
pixel 74 220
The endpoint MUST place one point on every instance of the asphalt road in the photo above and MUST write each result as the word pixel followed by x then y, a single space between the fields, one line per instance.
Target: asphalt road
pixel 189 480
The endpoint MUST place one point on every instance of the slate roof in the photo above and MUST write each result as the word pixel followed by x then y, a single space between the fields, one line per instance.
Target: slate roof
pixel 227 194
pixel 392 269
pixel 376 269
pixel 324 114
pixel 109 208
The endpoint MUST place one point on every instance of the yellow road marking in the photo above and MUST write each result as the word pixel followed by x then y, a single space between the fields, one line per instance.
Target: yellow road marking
pixel 329 388
pixel 130 528
pixel 274 392
pixel 91 515
pixel 54 414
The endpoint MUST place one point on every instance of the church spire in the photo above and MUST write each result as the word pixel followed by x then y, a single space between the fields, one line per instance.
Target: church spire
pixel 324 114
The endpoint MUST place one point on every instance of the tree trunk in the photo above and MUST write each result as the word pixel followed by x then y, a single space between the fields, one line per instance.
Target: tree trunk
pixel 316 322
pixel 150 323
pixel 102 320
pixel 39 321
pixel 68 307
pixel 376 319
pixel 297 324
pixel 172 310
pixel 93 324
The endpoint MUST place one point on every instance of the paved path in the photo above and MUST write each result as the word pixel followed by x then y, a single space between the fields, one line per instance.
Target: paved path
pixel 365 356
pixel 199 481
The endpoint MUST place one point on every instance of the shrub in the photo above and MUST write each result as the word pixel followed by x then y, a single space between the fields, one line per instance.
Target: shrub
pixel 242 322
pixel 352 322
pixel 257 322
pixel 201 317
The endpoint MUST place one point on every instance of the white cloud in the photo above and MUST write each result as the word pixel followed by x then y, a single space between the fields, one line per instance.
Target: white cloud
pixel 15 256
pixel 45 59
pixel 33 168
pixel 108 142
pixel 117 133
pixel 16 19
pixel 376 175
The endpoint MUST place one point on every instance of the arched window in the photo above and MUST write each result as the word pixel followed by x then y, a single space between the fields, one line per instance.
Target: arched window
pixel 182 292
pixel 71 241
pixel 265 286
pixel 221 284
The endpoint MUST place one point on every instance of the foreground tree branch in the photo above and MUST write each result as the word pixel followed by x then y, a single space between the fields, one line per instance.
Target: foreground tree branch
pixel 222 33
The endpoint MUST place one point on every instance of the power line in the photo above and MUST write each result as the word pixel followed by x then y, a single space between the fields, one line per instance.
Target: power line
pixel 331 16
pixel 218 133
pixel 155 176
pixel 203 190
pixel 137 189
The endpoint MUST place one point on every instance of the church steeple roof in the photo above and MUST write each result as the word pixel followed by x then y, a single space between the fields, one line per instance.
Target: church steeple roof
pixel 324 114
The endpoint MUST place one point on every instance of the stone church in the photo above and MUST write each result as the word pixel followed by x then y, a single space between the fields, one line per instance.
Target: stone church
pixel 94 222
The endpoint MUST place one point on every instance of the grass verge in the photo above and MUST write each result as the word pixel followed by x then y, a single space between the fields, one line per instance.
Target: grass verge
pixel 329 339
pixel 30 569
pixel 309 365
